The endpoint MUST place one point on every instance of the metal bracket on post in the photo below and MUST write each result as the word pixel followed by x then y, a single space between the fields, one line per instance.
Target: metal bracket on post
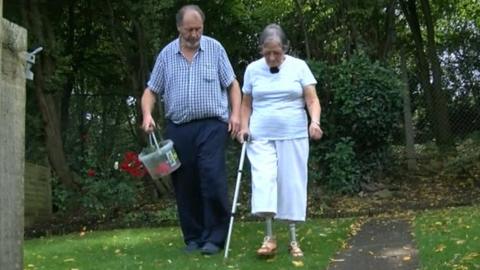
pixel 30 61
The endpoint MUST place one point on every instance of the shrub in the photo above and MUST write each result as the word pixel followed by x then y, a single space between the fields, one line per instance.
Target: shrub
pixel 366 101
pixel 108 195
pixel 100 194
pixel 342 172
pixel 465 164
pixel 361 108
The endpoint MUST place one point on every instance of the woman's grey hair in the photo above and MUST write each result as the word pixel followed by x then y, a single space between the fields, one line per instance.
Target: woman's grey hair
pixel 273 32
pixel 182 10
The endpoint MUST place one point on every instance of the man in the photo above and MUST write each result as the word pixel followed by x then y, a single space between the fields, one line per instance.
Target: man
pixel 196 81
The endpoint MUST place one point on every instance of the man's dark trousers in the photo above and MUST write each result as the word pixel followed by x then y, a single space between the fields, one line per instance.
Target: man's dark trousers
pixel 200 183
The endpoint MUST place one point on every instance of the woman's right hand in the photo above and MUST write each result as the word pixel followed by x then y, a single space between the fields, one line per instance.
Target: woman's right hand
pixel 243 135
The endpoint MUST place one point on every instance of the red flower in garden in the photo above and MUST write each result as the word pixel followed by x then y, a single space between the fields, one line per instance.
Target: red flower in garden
pixel 91 172
pixel 132 165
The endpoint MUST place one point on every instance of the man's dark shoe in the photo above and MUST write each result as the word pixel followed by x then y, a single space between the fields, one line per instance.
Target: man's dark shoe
pixel 209 249
pixel 191 247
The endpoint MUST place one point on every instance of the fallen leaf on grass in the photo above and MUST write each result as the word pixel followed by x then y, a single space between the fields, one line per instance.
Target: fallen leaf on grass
pixel 459 267
pixel 69 260
pixel 298 263
pixel 460 242
pixel 471 256
pixel 440 248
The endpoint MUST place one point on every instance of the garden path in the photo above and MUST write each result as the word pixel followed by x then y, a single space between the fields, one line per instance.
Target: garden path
pixel 380 244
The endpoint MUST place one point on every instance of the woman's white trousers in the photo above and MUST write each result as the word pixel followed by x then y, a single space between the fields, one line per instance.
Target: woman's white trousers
pixel 279 177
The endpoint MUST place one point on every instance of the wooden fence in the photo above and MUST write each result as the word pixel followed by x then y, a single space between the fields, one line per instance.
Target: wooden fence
pixel 38 194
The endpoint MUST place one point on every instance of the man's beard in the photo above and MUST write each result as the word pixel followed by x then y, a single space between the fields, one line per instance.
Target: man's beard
pixel 191 44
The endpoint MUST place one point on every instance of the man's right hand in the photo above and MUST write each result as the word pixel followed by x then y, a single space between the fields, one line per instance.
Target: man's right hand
pixel 148 99
pixel 148 124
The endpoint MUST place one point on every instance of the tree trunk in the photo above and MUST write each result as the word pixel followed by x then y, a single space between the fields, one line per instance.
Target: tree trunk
pixel 444 135
pixel 389 31
pixel 70 78
pixel 53 137
pixel 299 6
pixel 407 116
pixel 41 30
pixel 82 126
pixel 347 29
pixel 410 10
pixel 436 105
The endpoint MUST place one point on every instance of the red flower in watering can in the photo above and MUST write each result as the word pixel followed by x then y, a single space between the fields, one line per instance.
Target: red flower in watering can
pixel 132 165
pixel 162 168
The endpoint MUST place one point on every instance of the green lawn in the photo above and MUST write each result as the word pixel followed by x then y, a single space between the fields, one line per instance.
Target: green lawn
pixel 449 239
pixel 160 248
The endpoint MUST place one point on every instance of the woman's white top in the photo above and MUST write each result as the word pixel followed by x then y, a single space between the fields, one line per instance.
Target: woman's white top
pixel 278 104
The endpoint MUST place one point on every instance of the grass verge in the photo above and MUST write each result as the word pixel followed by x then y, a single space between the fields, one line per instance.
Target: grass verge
pixel 449 238
pixel 160 248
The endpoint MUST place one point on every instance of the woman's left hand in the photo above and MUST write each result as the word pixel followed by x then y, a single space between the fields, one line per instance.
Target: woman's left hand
pixel 315 131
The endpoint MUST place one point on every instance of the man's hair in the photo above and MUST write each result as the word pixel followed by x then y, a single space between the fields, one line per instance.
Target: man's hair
pixel 274 32
pixel 182 10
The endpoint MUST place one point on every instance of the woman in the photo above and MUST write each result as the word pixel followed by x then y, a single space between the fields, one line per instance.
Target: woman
pixel 277 89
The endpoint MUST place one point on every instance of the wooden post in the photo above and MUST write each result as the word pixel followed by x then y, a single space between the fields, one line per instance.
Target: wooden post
pixel 13 40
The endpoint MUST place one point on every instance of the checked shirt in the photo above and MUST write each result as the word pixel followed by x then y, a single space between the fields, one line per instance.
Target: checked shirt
pixel 195 90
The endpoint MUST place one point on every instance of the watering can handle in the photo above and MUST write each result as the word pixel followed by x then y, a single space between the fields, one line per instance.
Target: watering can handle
pixel 153 140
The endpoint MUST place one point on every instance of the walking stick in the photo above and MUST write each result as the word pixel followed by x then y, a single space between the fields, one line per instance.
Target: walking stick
pixel 235 196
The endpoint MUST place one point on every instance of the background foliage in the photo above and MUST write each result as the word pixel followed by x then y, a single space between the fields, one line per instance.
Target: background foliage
pixel 83 110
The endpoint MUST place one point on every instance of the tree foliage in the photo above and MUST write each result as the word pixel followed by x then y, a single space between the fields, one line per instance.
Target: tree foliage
pixel 83 110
